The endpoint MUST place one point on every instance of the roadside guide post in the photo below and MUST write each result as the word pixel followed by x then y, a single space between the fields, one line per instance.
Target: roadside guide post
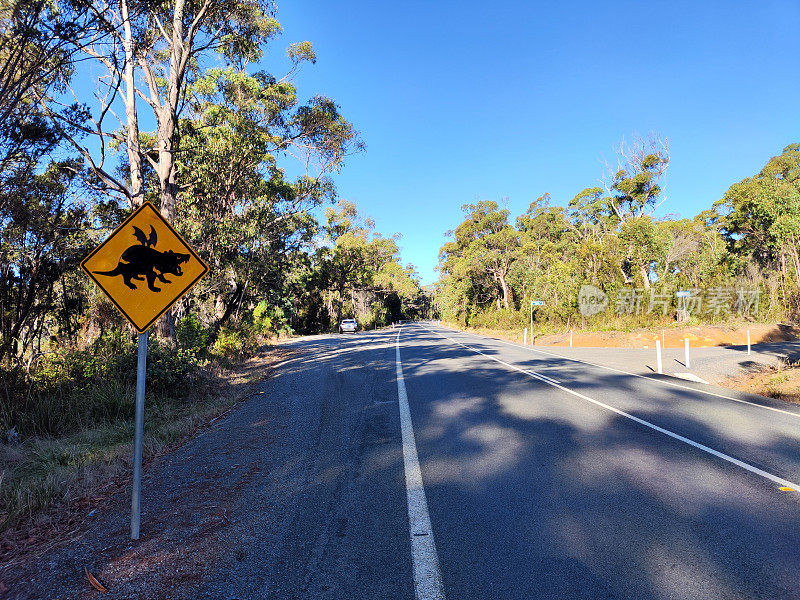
pixel 570 338
pixel 748 342
pixel 143 274
pixel 658 357
pixel 686 352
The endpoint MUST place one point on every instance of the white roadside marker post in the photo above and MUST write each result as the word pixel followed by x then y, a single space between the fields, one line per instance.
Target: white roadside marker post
pixel 658 357
pixel 686 352
pixel 570 338
pixel 748 342
pixel 138 432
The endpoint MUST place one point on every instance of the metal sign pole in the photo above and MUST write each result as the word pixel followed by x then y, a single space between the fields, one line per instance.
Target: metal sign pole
pixel 531 322
pixel 141 370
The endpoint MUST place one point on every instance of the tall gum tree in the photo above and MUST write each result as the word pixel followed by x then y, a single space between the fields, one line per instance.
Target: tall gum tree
pixel 156 57
pixel 760 217
pixel 150 51
pixel 484 244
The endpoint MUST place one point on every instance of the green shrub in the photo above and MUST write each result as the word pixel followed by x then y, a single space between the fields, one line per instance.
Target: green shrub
pixel 234 343
pixel 262 321
pixel 269 320
pixel 191 335
pixel 73 389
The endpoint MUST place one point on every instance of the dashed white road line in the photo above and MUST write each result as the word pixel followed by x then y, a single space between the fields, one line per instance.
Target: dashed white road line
pixel 671 383
pixel 774 478
pixel 425 560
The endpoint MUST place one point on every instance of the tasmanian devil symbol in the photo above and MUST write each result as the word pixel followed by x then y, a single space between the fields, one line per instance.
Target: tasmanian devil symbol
pixel 143 261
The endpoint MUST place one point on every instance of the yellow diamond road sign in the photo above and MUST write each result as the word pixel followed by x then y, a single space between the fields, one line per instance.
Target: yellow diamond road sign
pixel 144 267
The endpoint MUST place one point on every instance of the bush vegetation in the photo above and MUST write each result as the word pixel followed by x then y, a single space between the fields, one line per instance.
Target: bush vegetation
pixel 738 258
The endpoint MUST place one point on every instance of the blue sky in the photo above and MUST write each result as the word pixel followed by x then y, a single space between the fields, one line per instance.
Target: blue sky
pixel 459 101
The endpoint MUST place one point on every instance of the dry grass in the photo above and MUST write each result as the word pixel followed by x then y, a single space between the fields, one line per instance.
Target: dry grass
pixel 781 382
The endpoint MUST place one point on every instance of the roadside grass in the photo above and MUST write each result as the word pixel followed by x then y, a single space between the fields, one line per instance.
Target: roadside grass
pixel 45 479
pixel 513 321
pixel 782 383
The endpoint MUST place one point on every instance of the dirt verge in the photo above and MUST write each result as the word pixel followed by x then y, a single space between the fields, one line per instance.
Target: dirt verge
pixel 700 336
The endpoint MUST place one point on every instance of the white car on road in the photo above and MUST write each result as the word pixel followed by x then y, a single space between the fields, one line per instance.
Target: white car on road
pixel 348 326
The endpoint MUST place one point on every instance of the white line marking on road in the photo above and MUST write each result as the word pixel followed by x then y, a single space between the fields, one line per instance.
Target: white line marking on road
pixel 425 560
pixel 540 376
pixel 699 446
pixel 673 384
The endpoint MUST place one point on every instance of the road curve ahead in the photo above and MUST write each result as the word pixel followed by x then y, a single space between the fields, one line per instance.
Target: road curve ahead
pixel 550 478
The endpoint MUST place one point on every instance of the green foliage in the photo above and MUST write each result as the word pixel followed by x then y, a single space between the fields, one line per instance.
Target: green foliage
pixel 190 334
pixel 234 343
pixel 73 389
pixel 358 265
pixel 484 248
pixel 608 238
pixel 498 319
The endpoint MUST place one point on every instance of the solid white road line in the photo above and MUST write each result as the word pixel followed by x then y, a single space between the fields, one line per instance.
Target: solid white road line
pixel 664 381
pixel 685 440
pixel 540 376
pixel 425 560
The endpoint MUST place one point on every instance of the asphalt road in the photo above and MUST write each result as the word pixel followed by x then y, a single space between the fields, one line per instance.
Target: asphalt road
pixel 535 492
pixel 541 477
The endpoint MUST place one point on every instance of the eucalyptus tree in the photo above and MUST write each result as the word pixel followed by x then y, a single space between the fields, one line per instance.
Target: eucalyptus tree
pixel 760 215
pixel 40 219
pixel 484 247
pixel 355 260
pixel 183 66
pixel 149 52
pixel 239 208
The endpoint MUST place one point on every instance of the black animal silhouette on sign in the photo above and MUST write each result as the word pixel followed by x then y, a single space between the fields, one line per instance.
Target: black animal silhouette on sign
pixel 143 261
pixel 139 235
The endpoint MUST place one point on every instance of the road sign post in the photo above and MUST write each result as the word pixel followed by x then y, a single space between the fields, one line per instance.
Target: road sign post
pixel 143 274
pixel 683 313
pixel 138 435
pixel 534 303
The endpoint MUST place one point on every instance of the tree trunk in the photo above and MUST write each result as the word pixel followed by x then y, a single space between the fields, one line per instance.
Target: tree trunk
pixel 167 120
pixel 132 132
pixel 505 289
pixel 645 276
pixel 339 302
